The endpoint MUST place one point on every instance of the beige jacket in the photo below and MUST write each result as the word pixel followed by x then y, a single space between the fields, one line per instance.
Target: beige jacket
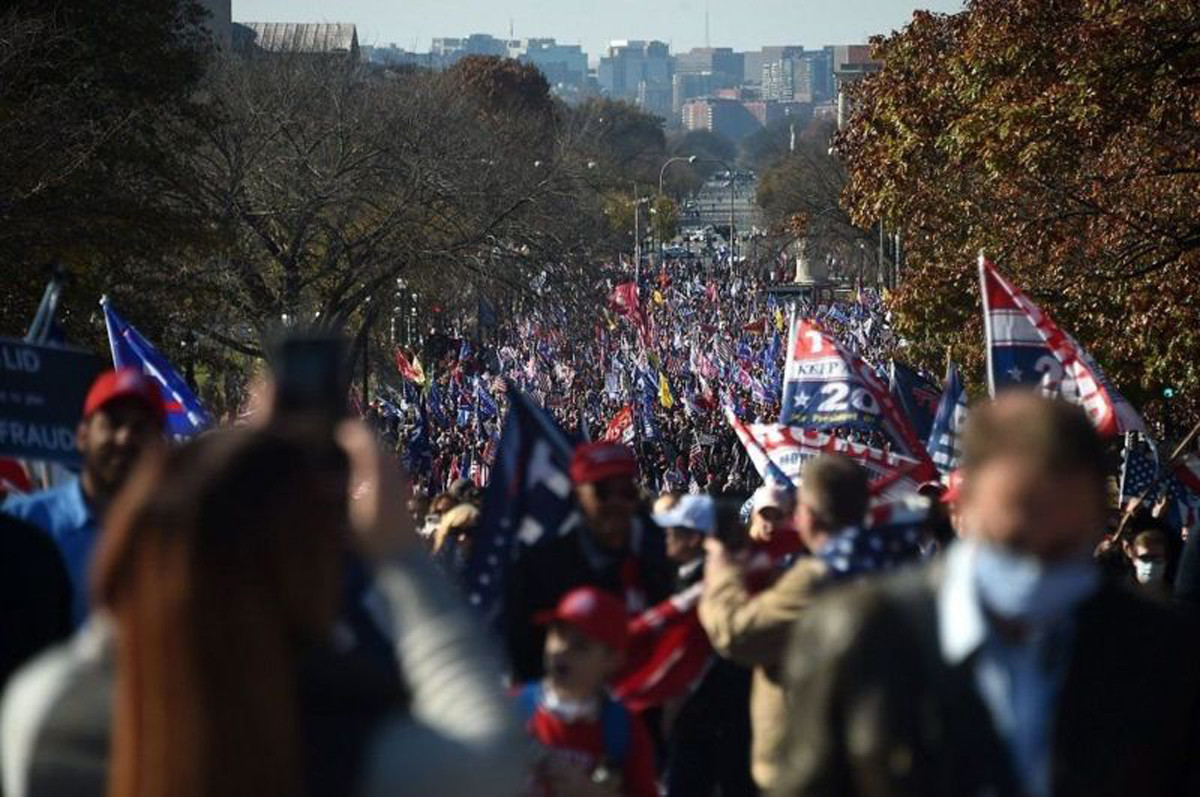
pixel 753 631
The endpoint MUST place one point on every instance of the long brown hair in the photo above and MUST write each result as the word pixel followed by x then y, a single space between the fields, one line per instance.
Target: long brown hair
pixel 219 563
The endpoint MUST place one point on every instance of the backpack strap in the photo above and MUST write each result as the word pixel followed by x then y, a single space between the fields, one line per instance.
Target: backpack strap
pixel 617 726
pixel 528 700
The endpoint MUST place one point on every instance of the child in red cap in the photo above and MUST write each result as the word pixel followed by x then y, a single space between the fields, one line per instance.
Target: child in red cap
pixel 590 744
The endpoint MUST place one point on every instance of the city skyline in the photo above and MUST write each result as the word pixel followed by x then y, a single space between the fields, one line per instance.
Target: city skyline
pixel 681 23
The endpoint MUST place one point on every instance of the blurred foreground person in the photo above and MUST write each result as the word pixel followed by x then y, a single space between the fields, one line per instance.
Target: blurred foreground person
pixel 752 628
pixel 591 745
pixel 210 666
pixel 123 415
pixel 1009 666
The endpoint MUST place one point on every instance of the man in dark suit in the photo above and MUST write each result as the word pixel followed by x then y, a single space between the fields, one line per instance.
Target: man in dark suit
pixel 1009 666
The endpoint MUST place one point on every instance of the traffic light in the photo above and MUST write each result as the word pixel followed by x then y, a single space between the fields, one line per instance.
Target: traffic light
pixel 1168 393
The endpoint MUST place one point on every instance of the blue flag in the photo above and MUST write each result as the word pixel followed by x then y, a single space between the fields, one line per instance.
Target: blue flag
pixel 418 454
pixel 485 405
pixel 437 405
pixel 945 444
pixel 185 415
pixel 916 395
pixel 528 502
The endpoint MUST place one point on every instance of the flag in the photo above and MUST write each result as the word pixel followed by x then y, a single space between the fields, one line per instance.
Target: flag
pixel 620 428
pixel 826 386
pixel 45 327
pixel 664 392
pixel 1139 471
pixel 411 371
pixel 528 502
pixel 1183 495
pixel 185 415
pixel 436 404
pixel 778 453
pixel 780 321
pixel 945 442
pixel 758 327
pixel 418 454
pixel 667 655
pixel 916 395
pixel 1025 347
pixel 624 301
pixel 485 405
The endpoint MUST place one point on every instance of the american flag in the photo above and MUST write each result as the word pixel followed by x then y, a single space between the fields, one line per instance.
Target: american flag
pixel 527 503
pixel 945 443
pixel 1139 470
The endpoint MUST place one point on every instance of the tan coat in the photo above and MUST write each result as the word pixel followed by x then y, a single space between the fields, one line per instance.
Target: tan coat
pixel 753 630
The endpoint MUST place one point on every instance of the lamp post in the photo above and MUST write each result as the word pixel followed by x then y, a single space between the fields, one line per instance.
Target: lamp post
pixel 732 191
pixel 661 173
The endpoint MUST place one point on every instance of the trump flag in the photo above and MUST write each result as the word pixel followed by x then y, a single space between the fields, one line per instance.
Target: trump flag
pixel 1026 348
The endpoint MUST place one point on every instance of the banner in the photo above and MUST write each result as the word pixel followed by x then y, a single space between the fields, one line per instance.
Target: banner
pixel 42 390
pixel 1026 348
pixel 776 449
pixel 185 415
pixel 826 386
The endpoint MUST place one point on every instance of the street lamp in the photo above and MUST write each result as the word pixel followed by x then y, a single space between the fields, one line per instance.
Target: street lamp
pixel 663 170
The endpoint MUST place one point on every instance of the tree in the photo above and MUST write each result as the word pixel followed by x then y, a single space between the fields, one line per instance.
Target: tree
pixel 1062 139
pixel 87 91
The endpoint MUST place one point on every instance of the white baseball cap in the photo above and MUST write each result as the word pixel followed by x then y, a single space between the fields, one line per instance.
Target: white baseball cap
pixel 772 495
pixel 695 512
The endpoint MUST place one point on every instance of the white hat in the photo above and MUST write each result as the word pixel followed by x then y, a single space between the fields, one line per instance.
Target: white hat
pixel 771 495
pixel 695 512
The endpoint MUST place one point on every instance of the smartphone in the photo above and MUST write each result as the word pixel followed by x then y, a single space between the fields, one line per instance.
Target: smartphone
pixel 312 378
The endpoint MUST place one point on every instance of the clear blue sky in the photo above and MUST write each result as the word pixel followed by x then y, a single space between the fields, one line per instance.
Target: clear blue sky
pixel 742 24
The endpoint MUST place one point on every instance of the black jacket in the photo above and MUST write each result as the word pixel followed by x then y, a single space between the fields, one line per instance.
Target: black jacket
pixel 543 574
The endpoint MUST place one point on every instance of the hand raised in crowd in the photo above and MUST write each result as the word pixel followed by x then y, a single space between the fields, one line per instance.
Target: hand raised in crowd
pixel 378 495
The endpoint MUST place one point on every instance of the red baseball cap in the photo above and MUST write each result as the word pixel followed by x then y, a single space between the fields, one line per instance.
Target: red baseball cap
pixel 953 487
pixel 596 613
pixel 125 383
pixel 593 462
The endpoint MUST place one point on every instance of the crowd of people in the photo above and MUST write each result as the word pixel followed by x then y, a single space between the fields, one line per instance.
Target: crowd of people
pixel 281 607
pixel 658 368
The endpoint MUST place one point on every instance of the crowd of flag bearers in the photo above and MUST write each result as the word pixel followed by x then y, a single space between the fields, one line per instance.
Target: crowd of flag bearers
pixel 907 598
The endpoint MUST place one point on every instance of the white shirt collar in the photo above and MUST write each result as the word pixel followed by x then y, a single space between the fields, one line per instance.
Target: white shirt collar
pixel 962 628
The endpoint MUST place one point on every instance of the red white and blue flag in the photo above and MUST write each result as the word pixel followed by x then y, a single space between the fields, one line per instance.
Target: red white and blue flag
pixel 1026 348
pixel 825 386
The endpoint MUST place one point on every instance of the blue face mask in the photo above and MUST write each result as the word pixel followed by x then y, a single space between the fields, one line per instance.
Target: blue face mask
pixel 1020 586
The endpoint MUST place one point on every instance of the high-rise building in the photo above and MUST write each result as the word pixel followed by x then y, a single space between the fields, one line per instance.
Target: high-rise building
pixel 629 65
pixel 450 49
pixel 752 62
pixel 800 77
pixel 850 62
pixel 721 115
pixel 562 64
pixel 711 60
